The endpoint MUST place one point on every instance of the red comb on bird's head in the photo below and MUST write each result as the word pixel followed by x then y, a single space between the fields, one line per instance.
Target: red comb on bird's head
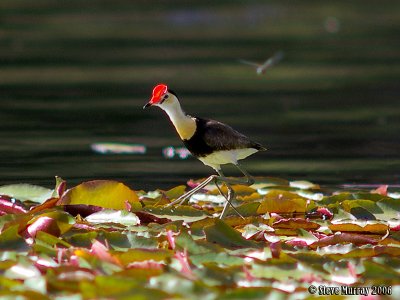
pixel 158 92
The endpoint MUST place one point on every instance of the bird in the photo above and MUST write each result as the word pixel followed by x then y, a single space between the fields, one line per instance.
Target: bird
pixel 212 142
pixel 261 68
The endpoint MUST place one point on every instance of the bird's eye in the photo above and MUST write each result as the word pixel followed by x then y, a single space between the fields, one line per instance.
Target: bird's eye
pixel 165 97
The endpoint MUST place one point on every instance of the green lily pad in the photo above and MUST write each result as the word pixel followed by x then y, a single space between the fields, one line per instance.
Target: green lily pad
pixel 24 191
pixel 181 212
pixel 220 258
pixel 11 240
pixel 380 272
pixel 50 239
pixel 185 241
pixel 175 192
pixel 126 240
pixel 138 255
pixel 224 235
pixel 390 207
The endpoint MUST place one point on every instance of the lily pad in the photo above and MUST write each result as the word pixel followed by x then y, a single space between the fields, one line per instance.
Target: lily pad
pixel 138 255
pixel 282 202
pixel 224 235
pixel 24 191
pixel 104 193
pixel 11 240
pixel 114 216
pixel 181 212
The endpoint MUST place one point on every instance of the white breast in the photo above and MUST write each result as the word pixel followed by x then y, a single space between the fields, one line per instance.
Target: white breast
pixel 218 158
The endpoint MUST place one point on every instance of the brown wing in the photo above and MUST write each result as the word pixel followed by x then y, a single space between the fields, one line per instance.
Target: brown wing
pixel 213 136
pixel 220 136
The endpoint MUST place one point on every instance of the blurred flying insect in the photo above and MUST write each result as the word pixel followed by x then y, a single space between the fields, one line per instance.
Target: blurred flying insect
pixel 261 68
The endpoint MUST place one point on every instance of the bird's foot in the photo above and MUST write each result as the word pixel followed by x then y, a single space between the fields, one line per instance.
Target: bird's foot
pixel 228 198
pixel 250 180
pixel 180 200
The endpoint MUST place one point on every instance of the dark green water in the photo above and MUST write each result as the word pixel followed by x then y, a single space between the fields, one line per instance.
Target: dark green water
pixel 73 73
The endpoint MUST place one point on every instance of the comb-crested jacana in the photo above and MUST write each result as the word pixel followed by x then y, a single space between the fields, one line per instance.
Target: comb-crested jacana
pixel 212 142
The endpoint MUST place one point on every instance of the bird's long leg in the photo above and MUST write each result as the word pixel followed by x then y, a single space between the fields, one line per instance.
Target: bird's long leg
pixel 229 197
pixel 182 198
pixel 248 180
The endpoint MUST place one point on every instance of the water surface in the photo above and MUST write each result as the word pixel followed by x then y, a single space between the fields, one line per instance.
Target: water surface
pixel 73 74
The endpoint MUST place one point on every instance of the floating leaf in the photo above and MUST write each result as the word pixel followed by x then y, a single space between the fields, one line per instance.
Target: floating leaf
pixel 282 202
pixel 23 270
pixel 261 182
pixel 50 239
pixel 137 255
pixel 368 196
pixel 50 203
pixel 126 240
pixel 324 212
pixel 82 239
pixel 82 209
pixel 305 238
pixel 360 226
pixel 277 270
pixel 220 258
pixel 107 287
pixel 181 287
pixel 303 184
pixel 181 212
pixel 114 216
pixel 240 190
pixel 246 209
pixel 362 209
pixel 250 293
pixel 27 294
pixel 342 215
pixel 146 218
pixel 334 199
pixel 145 250
pixel 377 271
pixel 226 236
pixel 390 207
pixel 142 270
pixel 52 220
pixel 8 206
pixel 11 240
pixel 175 192
pixel 24 191
pixel 104 193
pixel 381 190
pixel 295 223
pixel 102 253
pixel 45 224
pixel 185 241
pixel 249 198
pixel 250 230
pixel 342 238
pixel 61 186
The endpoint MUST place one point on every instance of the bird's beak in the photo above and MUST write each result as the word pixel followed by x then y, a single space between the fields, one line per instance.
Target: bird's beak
pixel 151 102
pixel 148 105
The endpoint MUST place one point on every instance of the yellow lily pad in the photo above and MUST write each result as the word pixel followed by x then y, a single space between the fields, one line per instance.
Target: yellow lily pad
pixel 104 193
